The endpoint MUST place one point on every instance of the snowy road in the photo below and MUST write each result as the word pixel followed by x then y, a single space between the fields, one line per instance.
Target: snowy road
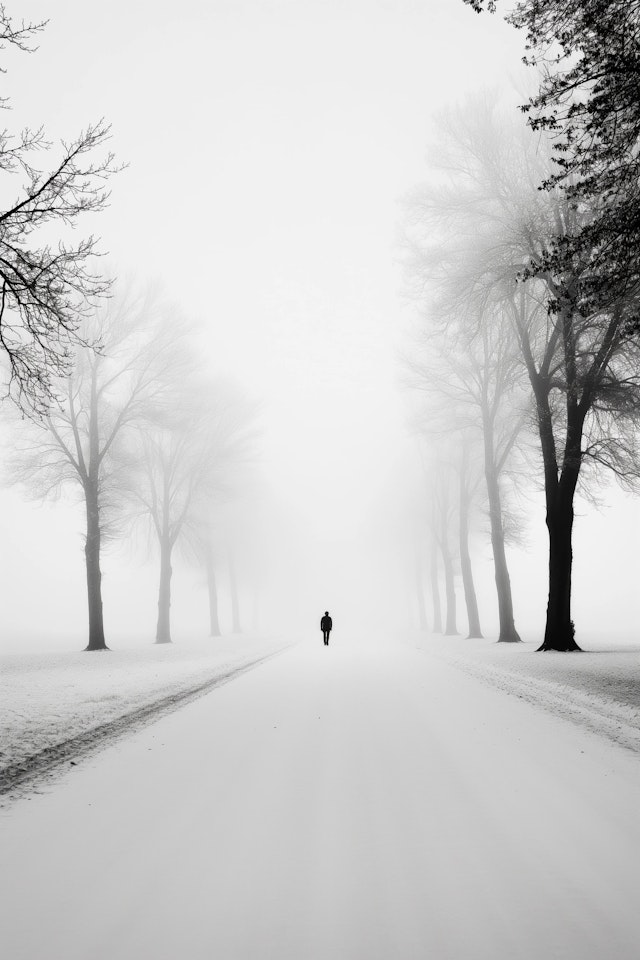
pixel 334 804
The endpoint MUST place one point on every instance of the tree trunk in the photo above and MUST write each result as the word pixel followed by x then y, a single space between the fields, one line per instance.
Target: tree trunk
pixel 435 589
pixel 214 623
pixel 559 631
pixel 233 587
pixel 470 598
pixel 92 542
pixel 422 611
pixel 163 630
pixel 559 485
pixel 508 632
pixel 94 575
pixel 450 628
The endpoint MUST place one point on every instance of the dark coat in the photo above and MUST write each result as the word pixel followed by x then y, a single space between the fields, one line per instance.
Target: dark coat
pixel 326 624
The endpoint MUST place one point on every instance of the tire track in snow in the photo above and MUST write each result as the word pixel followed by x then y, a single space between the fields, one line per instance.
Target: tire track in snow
pixel 18 779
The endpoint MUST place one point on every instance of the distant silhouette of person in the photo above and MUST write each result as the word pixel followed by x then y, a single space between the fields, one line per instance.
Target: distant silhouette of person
pixel 325 625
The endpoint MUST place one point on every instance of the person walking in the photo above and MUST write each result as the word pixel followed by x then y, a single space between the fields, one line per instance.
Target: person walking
pixel 325 625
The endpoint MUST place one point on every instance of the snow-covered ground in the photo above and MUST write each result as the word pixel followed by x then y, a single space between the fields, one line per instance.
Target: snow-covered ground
pixel 340 803
pixel 49 698
pixel 598 688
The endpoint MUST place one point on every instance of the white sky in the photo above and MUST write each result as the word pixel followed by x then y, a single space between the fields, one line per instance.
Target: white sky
pixel 268 143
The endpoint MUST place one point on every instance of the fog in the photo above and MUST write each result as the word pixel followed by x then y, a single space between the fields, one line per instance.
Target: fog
pixel 310 327
pixel 270 147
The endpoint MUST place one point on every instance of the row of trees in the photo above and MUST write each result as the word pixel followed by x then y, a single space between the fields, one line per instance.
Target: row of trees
pixel 525 258
pixel 112 398
pixel 146 439
pixel 471 421
pixel 451 482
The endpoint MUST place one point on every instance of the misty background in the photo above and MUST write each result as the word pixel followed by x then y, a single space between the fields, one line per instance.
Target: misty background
pixel 269 148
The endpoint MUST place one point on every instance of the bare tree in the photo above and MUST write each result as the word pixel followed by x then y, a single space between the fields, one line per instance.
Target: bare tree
pixel 448 463
pixel 81 441
pixel 496 388
pixel 582 358
pixel 581 354
pixel 46 291
pixel 174 472
pixel 202 432
pixel 471 383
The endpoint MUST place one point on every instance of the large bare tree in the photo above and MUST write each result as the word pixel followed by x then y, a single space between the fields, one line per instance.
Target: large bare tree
pixel 47 287
pixel 83 440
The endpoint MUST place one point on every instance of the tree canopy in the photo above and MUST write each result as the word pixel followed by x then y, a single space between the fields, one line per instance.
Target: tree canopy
pixel 46 288
pixel 588 56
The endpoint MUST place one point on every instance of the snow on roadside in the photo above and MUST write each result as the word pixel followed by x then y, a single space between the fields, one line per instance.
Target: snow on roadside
pixel 48 698
pixel 598 689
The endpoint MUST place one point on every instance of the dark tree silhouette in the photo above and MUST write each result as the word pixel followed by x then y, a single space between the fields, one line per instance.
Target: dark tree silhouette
pixel 46 290
pixel 587 54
